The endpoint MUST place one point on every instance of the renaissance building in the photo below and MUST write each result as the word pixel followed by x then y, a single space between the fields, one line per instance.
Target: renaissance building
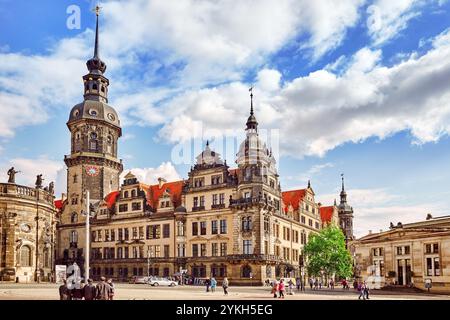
pixel 27 233
pixel 219 221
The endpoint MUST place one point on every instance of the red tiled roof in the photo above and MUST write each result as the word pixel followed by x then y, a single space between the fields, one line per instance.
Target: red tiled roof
pixel 111 198
pixel 293 198
pixel 154 192
pixel 326 214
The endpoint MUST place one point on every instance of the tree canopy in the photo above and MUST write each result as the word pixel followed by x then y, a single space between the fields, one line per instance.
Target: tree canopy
pixel 326 252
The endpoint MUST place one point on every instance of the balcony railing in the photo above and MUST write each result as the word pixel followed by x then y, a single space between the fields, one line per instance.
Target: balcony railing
pixel 218 206
pixel 199 208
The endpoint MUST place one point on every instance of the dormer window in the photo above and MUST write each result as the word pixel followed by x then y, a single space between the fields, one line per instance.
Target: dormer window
pixel 199 182
pixel 216 179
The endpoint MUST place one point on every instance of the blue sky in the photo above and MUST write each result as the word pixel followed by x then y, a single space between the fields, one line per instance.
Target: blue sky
pixel 360 87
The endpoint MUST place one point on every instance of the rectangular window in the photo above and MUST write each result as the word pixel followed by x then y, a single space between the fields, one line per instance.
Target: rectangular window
pixel 223 249
pixel 120 234
pixel 399 251
pixel 428 248
pixel 195 250
pixel 141 233
pixel 222 198
pixel 166 251
pixel 202 201
pixel 135 233
pixel 317 225
pixel 435 248
pixel 135 252
pixel 166 230
pixel 214 229
pixel 194 228
pixel 310 222
pixel 181 250
pixel 216 179
pixel 123 207
pixel 195 202
pixel 247 244
pixel 223 226
pixel 203 249
pixel 203 228
pixel 156 232
pixel 407 249
pixel 126 253
pixel 126 235
pixel 214 249
pixel 215 199
pixel 199 182
pixel 437 267
pixel 303 219
pixel 107 238
pixel 136 206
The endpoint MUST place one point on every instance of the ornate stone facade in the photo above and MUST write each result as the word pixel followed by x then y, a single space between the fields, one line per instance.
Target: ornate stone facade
pixel 27 233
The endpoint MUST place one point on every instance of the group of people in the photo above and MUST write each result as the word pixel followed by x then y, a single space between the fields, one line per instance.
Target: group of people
pixel 363 290
pixel 211 284
pixel 104 290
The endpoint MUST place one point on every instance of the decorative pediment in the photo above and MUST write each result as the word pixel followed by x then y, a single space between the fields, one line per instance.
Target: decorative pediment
pixel 199 238
pixel 219 237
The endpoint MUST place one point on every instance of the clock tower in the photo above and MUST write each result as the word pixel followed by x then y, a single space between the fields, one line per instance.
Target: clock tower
pixel 95 129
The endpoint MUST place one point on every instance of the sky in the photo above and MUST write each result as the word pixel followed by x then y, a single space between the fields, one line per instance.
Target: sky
pixel 355 86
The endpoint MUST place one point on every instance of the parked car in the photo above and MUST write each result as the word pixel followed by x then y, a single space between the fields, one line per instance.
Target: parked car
pixel 156 281
pixel 139 279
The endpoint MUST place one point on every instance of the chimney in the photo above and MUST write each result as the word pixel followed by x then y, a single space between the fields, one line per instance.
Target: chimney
pixel 381 230
pixel 161 181
pixel 370 231
pixel 429 216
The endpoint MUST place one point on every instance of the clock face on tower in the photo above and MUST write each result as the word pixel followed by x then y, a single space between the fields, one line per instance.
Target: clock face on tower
pixel 92 171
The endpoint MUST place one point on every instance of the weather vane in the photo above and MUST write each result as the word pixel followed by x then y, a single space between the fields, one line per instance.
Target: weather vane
pixel 97 10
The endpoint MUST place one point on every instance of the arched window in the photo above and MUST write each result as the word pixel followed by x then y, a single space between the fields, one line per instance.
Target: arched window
pixel 74 218
pixel 246 223
pixel 25 256
pixel 73 238
pixel 125 194
pixel 94 86
pixel 133 193
pixel 93 142
pixel 246 271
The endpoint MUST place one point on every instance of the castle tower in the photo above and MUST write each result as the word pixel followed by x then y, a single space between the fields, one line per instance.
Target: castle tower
pixel 345 214
pixel 92 163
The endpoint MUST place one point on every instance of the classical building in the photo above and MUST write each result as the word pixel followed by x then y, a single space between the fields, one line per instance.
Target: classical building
pixel 345 215
pixel 220 221
pixel 27 233
pixel 413 253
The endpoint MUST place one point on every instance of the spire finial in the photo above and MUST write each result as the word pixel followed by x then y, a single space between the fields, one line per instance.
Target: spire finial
pixel 97 13
pixel 309 184
pixel 207 143
pixel 251 100
pixel 342 176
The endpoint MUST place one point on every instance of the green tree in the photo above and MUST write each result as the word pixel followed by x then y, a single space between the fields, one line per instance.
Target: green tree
pixel 325 252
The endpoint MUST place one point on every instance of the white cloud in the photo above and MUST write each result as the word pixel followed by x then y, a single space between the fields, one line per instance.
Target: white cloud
pixel 29 168
pixel 150 175
pixel 311 173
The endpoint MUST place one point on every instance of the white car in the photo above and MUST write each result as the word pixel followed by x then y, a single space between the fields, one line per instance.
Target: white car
pixel 161 282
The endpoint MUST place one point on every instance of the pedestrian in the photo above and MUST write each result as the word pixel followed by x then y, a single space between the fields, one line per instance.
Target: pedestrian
pixel 213 284
pixel 316 284
pixel 291 287
pixel 225 286
pixel 361 291
pixel 275 288
pixel 311 283
pixel 281 289
pixel 89 290
pixel 332 284
pixel 366 290
pixel 64 292
pixel 102 290
pixel 320 284
pixel 298 283
pixel 112 289
pixel 208 284
pixel 78 291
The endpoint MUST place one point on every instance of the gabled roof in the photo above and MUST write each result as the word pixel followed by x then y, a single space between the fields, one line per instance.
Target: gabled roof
pixel 154 192
pixel 326 214
pixel 293 198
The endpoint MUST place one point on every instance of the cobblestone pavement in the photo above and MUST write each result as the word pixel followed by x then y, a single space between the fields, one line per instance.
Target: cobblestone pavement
pixel 13 291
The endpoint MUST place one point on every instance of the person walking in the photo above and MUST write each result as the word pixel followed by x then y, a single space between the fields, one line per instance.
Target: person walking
pixel 112 289
pixel 102 290
pixel 275 288
pixel 208 284
pixel 78 291
pixel 64 292
pixel 89 290
pixel 361 291
pixel 311 283
pixel 213 284
pixel 298 283
pixel 332 284
pixel 281 289
pixel 225 286
pixel 366 290
pixel 316 284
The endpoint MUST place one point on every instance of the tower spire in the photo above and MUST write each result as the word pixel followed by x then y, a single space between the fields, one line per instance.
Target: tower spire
pixel 343 193
pixel 97 13
pixel 342 176
pixel 252 124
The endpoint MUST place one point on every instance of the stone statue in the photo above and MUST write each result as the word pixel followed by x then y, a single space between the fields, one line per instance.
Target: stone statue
pixel 12 175
pixel 39 181
pixel 51 188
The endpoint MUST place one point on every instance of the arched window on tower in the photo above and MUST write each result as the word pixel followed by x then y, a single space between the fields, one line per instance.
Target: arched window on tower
pixel 74 218
pixel 109 145
pixel 25 256
pixel 93 142
pixel 73 238
pixel 94 86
